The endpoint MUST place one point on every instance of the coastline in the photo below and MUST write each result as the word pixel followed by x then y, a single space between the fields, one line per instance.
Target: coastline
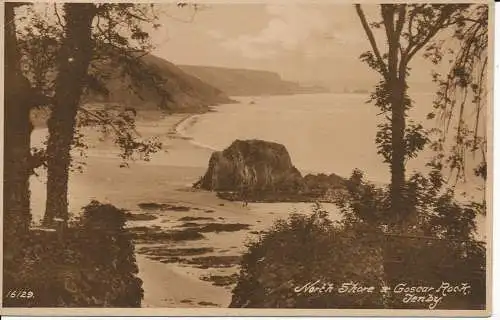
pixel 196 291
pixel 180 128
pixel 167 179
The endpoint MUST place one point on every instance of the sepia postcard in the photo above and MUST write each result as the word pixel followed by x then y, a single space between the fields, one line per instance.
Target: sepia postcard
pixel 247 158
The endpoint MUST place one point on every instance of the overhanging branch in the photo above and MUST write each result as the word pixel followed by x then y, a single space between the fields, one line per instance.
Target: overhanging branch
pixel 371 38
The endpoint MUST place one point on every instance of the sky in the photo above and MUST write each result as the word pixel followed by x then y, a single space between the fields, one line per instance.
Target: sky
pixel 311 43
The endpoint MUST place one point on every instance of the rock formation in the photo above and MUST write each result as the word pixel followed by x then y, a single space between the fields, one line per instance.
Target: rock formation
pixel 321 185
pixel 252 167
pixel 257 170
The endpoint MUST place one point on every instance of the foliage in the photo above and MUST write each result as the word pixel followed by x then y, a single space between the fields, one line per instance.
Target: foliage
pixel 464 87
pixel 408 29
pixel 119 124
pixel 433 243
pixel 92 264
pixel 463 91
pixel 438 245
pixel 303 249
pixel 38 43
pixel 18 100
pixel 119 44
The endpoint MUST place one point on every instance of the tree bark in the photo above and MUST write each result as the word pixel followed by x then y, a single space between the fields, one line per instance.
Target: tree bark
pixel 17 133
pixel 73 63
pixel 398 151
pixel 397 84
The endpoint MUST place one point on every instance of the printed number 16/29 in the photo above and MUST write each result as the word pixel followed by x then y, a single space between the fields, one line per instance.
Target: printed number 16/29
pixel 20 294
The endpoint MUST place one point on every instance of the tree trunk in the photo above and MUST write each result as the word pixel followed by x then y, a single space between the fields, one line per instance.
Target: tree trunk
pixel 398 151
pixel 17 132
pixel 73 63
pixel 397 85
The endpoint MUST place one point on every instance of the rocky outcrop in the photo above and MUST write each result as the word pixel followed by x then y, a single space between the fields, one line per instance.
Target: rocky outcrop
pixel 322 186
pixel 257 170
pixel 252 167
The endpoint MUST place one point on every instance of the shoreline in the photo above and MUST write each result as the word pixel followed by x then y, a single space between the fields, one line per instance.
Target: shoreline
pixel 180 126
pixel 166 180
pixel 179 130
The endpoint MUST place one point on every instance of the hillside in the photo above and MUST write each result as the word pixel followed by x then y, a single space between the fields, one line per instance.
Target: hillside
pixel 244 82
pixel 186 93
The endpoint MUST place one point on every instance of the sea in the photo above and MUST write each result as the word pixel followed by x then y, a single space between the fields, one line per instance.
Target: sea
pixel 324 133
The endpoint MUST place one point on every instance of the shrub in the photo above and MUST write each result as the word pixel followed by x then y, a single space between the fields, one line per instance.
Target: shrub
pixel 91 265
pixel 434 244
pixel 304 249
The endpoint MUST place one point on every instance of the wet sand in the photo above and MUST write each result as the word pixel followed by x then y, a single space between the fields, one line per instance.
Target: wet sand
pixel 167 179
pixel 203 276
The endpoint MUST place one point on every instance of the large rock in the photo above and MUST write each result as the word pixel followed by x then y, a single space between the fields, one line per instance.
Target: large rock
pixel 249 168
pixel 322 186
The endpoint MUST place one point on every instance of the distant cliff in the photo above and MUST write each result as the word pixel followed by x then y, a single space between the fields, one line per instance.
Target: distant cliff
pixel 245 82
pixel 185 93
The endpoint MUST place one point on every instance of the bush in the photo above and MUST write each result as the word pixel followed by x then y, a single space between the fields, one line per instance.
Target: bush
pixel 434 244
pixel 91 265
pixel 304 249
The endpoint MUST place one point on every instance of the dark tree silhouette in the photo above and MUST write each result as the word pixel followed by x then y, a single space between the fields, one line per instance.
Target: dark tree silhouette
pixel 17 132
pixel 20 98
pixel 117 42
pixel 408 29
pixel 89 42
pixel 73 63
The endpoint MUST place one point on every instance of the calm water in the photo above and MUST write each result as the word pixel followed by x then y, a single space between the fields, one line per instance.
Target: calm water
pixel 329 133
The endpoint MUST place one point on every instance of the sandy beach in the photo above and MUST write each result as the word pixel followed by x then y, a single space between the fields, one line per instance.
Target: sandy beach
pixel 199 266
pixel 258 155
pixel 205 274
